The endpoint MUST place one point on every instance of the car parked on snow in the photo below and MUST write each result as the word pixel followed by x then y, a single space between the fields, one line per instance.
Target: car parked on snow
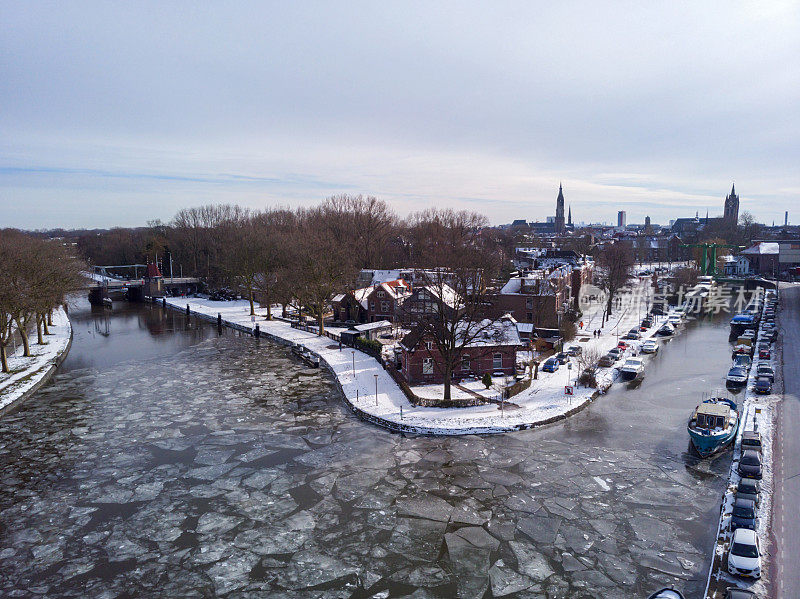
pixel 748 488
pixel 574 350
pixel 562 357
pixel 616 353
pixel 550 365
pixel 743 361
pixel 750 464
pixel 764 353
pixel 744 514
pixel 763 386
pixel 765 370
pixel 744 555
pixel 606 361
pixel 751 440
pixel 737 593
pixel 633 334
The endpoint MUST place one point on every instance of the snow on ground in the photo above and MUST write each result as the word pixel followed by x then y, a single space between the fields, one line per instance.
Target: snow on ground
pixel 27 372
pixel 369 388
pixel 757 414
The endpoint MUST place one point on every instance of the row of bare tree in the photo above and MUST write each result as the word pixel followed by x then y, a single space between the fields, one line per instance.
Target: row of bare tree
pixel 36 275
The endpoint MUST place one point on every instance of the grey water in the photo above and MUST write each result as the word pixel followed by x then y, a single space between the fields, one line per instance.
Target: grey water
pixel 169 459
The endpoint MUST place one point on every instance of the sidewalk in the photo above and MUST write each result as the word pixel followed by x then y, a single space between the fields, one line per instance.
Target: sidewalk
pixel 373 395
pixel 28 374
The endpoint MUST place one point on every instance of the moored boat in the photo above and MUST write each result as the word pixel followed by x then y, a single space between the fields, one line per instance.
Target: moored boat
pixel 666 330
pixel 713 425
pixel 632 369
pixel 742 321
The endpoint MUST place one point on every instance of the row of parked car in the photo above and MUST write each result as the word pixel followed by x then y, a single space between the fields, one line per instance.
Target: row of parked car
pixel 744 553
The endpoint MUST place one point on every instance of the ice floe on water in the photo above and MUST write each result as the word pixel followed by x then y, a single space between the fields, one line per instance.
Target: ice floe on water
pixel 192 476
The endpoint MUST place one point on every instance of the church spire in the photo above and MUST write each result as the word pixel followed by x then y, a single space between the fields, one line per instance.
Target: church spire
pixel 569 218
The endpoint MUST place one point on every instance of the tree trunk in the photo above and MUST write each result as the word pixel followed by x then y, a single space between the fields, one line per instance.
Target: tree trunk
pixel 46 324
pixel 321 320
pixel 269 308
pixel 447 373
pixel 49 320
pixel 252 305
pixel 3 358
pixel 283 310
pixel 39 322
pixel 25 342
pixel 608 306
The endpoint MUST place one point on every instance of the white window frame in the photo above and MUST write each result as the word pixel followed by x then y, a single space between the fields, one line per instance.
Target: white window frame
pixel 495 357
pixel 427 365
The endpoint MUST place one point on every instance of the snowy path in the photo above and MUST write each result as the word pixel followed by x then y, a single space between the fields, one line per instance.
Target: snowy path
pixel 27 373
pixel 374 395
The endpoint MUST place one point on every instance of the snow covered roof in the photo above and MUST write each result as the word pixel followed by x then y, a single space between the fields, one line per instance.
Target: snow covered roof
pixel 371 326
pixel 489 334
pixel 762 247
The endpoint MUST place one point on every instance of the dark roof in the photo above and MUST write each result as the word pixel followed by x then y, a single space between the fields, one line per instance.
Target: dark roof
pixel 152 271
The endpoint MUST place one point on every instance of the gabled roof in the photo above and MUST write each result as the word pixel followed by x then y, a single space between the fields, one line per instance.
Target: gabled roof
pixel 152 271
pixel 491 334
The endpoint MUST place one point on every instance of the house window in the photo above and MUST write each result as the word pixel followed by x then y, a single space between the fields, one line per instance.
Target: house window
pixel 381 293
pixel 372 306
pixel 427 366
pixel 529 303
pixel 384 307
pixel 530 316
pixel 465 363
pixel 497 361
pixel 429 345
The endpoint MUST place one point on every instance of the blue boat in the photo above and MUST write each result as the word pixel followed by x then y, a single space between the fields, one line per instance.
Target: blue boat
pixel 713 425
pixel 742 321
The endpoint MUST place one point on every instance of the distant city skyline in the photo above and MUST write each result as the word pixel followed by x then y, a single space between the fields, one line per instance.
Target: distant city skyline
pixel 121 114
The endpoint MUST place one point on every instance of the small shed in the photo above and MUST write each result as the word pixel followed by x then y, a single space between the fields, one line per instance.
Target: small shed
pixel 371 330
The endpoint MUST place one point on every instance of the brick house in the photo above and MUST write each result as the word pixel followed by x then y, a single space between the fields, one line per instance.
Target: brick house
pixel 384 301
pixel 537 296
pixel 426 302
pixel 371 304
pixel 494 351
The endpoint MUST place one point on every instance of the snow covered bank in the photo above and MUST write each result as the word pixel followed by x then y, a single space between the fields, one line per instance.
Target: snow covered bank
pixel 28 374
pixel 374 396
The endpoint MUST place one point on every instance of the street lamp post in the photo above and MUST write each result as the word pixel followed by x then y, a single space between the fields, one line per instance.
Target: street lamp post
pixel 354 362
pixel 376 389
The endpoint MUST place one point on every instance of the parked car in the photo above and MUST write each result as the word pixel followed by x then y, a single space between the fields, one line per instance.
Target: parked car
pixel 763 386
pixel 744 514
pixel 737 377
pixel 743 361
pixel 616 353
pixel 751 440
pixel 606 361
pixel 764 353
pixel 650 346
pixel 737 593
pixel 562 357
pixel 550 365
pixel 744 555
pixel 574 350
pixel 765 370
pixel 633 334
pixel 748 488
pixel 750 464
pixel 622 345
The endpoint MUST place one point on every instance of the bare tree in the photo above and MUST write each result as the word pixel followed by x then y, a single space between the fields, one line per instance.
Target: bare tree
pixel 588 362
pixel 614 265
pixel 452 262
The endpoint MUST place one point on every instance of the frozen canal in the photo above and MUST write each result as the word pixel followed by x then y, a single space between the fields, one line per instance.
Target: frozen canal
pixel 167 460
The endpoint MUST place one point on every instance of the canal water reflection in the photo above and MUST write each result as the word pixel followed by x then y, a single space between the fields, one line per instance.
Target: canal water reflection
pixel 167 459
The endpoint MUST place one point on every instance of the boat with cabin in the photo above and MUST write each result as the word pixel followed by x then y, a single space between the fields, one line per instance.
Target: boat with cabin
pixel 632 369
pixel 713 425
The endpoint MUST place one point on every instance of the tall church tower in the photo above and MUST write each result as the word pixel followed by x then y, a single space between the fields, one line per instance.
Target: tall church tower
pixel 731 214
pixel 559 222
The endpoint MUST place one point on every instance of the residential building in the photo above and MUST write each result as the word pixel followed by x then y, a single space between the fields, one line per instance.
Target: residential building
pixel 493 351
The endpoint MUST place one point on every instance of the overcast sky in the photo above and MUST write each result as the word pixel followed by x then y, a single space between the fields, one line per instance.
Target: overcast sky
pixel 116 114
